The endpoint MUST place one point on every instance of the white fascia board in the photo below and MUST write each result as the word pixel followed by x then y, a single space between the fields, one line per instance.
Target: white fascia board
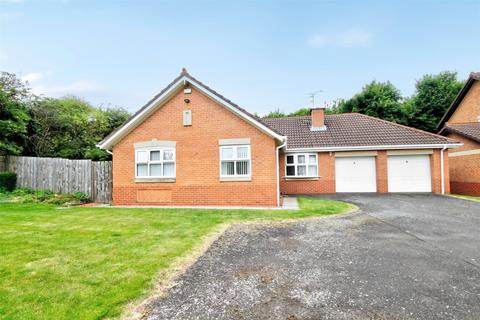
pixel 167 94
pixel 384 147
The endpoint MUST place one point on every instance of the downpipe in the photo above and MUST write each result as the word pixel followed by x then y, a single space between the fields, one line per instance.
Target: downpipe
pixel 442 168
pixel 278 169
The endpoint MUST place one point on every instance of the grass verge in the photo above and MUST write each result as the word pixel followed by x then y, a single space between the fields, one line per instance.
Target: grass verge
pixel 461 196
pixel 89 263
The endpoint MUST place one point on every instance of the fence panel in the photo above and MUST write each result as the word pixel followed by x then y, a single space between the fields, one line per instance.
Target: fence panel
pixel 63 175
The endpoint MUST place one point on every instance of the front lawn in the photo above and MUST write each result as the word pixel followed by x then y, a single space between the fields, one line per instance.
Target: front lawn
pixel 88 263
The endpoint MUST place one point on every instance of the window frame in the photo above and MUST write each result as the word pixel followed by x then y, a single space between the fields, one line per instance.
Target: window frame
pixel 296 164
pixel 235 160
pixel 161 161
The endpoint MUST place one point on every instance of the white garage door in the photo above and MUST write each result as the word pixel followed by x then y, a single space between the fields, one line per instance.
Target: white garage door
pixel 355 174
pixel 409 173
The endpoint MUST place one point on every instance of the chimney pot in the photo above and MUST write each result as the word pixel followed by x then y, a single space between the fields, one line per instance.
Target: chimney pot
pixel 318 119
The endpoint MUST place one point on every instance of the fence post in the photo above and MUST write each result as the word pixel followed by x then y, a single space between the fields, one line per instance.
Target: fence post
pixel 3 163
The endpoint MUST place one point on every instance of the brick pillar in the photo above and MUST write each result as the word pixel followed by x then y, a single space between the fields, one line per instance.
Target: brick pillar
pixel 382 174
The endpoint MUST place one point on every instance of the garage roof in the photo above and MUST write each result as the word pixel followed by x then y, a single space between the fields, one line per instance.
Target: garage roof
pixel 352 130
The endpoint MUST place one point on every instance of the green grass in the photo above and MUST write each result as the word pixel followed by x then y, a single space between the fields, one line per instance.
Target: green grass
pixel 465 197
pixel 88 263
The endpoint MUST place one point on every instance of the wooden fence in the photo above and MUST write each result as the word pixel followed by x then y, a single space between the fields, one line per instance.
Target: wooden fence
pixel 93 178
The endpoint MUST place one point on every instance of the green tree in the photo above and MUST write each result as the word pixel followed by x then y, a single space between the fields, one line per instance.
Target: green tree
pixel 13 114
pixel 70 128
pixel 432 97
pixel 377 99
pixel 275 114
pixel 300 112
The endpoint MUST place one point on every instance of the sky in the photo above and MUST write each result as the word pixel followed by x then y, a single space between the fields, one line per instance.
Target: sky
pixel 263 55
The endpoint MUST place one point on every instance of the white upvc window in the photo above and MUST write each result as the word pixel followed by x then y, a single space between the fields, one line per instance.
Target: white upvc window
pixel 301 165
pixel 155 163
pixel 235 161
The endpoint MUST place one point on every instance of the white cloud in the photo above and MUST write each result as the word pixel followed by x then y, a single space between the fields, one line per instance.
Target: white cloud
pixel 346 39
pixel 77 87
pixel 32 77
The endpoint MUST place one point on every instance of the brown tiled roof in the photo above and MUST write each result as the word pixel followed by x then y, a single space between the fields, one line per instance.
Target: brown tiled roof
pixel 350 130
pixel 470 130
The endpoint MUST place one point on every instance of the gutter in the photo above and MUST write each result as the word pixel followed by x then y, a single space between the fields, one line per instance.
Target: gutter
pixel 384 147
pixel 277 167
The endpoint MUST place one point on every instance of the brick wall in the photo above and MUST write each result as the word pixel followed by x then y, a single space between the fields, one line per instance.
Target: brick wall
pixel 197 158
pixel 465 169
pixel 326 168
pixel 469 108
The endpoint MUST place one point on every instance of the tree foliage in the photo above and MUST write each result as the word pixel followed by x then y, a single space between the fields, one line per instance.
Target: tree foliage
pixel 13 114
pixel 432 97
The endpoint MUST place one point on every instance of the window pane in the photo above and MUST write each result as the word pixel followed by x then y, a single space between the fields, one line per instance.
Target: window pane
pixel 142 170
pixel 301 159
pixel 242 152
pixel 154 155
pixel 302 170
pixel 243 167
pixel 289 159
pixel 142 156
pixel 228 168
pixel 312 159
pixel 312 171
pixel 156 170
pixel 168 155
pixel 227 153
pixel 168 169
pixel 290 170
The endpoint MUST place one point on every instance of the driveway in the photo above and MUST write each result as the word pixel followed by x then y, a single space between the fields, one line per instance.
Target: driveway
pixel 401 257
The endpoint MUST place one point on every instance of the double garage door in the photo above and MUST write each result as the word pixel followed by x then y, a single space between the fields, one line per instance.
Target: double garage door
pixel 406 173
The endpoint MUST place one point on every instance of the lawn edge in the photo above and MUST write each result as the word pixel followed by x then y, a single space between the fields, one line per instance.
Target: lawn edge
pixel 459 196
pixel 166 279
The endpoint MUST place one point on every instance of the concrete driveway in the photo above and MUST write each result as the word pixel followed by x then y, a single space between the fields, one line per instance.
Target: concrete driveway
pixel 401 257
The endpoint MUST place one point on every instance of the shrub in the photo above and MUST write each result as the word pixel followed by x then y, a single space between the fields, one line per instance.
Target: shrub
pixel 8 181
pixel 24 195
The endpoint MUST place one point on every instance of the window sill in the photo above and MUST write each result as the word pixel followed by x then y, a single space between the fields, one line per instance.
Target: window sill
pixel 301 178
pixel 150 180
pixel 233 179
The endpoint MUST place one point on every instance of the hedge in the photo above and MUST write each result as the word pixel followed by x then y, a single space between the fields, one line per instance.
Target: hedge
pixel 8 181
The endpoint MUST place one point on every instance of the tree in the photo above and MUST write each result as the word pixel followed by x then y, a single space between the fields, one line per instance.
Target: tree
pixel 377 99
pixel 275 114
pixel 70 128
pixel 432 97
pixel 13 114
pixel 300 112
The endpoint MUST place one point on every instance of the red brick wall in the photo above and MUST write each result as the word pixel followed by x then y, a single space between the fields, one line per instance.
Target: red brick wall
pixel 197 158
pixel 326 182
pixel 465 169
pixel 469 108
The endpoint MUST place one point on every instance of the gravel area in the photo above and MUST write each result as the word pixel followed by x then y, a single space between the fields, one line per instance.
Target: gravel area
pixel 401 257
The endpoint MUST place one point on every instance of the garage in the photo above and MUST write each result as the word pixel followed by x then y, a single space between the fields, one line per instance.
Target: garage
pixel 409 173
pixel 355 174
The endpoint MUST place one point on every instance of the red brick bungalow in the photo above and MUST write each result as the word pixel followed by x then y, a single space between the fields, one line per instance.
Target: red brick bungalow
pixel 190 145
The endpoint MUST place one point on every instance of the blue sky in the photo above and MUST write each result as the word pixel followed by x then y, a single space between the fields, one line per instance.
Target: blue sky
pixel 261 54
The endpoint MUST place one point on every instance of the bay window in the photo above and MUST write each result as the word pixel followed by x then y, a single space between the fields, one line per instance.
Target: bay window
pixel 235 161
pixel 155 163
pixel 301 165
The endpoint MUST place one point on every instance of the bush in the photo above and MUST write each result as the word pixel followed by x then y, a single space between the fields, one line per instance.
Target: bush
pixel 24 195
pixel 8 181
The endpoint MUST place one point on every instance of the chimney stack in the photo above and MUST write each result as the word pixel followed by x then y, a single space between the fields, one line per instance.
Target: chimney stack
pixel 318 119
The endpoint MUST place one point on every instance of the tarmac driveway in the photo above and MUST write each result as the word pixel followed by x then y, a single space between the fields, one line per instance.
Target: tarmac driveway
pixel 401 257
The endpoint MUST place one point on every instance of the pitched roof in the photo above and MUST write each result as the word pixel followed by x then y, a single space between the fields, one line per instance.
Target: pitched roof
pixel 469 130
pixel 351 130
pixel 474 76
pixel 172 88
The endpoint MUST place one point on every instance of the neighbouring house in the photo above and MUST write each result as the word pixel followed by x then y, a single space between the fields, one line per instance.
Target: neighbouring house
pixel 190 145
pixel 462 122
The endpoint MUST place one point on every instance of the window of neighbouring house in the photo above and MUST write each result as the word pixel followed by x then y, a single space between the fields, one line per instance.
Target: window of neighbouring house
pixel 301 165
pixel 235 161
pixel 155 163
